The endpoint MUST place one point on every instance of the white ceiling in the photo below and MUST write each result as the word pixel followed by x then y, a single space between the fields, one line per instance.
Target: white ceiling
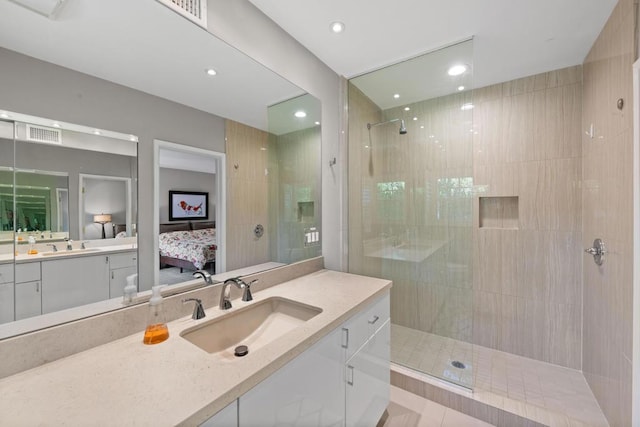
pixel 146 46
pixel 512 38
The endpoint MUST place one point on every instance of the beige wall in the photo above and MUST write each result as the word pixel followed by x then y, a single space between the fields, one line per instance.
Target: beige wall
pixel 247 195
pixel 527 287
pixel 607 194
pixel 294 176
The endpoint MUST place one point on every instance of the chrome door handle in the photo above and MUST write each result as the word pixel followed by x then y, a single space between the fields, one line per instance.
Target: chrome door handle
pixel 350 379
pixel 597 250
pixel 374 320
pixel 345 338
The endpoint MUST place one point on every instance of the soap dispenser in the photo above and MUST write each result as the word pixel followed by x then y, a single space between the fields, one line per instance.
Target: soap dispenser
pixel 32 246
pixel 131 290
pixel 157 330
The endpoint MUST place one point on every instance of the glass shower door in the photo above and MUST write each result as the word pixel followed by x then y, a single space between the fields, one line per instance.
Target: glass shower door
pixel 411 204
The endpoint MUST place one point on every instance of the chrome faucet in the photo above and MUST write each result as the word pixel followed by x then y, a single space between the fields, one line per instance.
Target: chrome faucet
pixel 198 310
pixel 84 245
pixel 69 245
pixel 55 248
pixel 225 304
pixel 205 276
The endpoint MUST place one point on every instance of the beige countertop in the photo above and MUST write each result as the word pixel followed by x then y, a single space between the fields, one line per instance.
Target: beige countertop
pixel 175 383
pixel 48 255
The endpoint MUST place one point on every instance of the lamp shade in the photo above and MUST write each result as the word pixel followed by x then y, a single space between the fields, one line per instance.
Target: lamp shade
pixel 102 218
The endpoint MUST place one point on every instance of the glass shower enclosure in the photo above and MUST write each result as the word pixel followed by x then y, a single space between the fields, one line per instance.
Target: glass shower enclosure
pixel 411 204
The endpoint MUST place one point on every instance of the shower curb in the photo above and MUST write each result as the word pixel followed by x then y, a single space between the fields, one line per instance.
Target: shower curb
pixel 458 399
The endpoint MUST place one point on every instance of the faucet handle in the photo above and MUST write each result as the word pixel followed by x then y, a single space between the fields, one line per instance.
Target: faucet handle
pixel 84 245
pixel 246 290
pixel 198 310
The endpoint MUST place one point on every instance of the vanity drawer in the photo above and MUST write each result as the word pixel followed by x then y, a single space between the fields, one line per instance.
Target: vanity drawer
pixel 363 325
pixel 129 259
pixel 6 273
pixel 27 272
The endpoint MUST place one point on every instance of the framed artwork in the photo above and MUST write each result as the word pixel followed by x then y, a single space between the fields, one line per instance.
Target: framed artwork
pixel 188 205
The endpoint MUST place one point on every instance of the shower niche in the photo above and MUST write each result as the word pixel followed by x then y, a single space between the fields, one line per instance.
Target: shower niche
pixel 499 212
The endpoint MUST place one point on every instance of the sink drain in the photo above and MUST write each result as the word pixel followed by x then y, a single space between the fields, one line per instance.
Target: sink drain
pixel 241 350
pixel 458 364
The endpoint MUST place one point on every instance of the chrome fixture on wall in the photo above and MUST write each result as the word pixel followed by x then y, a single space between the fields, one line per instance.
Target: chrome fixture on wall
pixel 597 250
pixel 402 130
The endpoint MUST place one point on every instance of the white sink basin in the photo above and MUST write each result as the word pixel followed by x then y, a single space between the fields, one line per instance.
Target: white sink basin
pixel 253 326
pixel 72 252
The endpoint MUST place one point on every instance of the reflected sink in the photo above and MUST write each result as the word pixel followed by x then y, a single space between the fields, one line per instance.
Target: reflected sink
pixel 254 326
pixel 72 252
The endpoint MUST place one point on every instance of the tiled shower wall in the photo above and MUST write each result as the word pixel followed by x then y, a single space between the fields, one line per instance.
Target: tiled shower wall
pixel 247 195
pixel 607 196
pixel 295 190
pixel 527 256
pixel 527 269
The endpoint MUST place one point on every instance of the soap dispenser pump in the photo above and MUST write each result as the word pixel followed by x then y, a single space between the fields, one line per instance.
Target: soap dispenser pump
pixel 157 330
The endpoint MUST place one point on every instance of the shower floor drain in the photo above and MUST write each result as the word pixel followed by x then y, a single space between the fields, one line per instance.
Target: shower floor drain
pixel 459 365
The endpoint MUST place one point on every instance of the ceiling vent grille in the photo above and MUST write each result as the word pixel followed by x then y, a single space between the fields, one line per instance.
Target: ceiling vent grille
pixel 195 10
pixel 43 134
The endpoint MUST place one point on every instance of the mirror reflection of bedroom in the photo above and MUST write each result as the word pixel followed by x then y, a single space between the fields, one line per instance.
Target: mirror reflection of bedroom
pixel 187 210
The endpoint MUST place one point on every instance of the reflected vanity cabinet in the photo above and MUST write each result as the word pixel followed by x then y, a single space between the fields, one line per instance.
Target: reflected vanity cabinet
pixel 28 290
pixel 6 293
pixel 121 265
pixel 343 379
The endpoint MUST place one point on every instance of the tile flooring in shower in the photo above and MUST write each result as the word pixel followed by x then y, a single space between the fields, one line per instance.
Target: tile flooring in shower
pixel 517 384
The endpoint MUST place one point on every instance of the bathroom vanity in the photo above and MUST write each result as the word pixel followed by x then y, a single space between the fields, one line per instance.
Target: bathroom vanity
pixel 43 283
pixel 333 366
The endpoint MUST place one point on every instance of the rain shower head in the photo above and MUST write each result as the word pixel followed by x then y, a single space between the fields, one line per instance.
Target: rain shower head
pixel 402 130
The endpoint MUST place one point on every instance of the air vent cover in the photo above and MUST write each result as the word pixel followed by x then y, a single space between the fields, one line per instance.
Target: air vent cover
pixel 43 134
pixel 195 10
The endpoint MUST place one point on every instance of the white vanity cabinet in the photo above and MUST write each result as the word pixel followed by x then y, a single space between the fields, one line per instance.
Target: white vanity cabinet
pixel 121 265
pixel 308 391
pixel 6 293
pixel 341 380
pixel 368 377
pixel 228 417
pixel 28 290
pixel 74 281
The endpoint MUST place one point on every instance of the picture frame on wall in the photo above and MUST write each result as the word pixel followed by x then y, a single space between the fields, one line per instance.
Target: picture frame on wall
pixel 186 205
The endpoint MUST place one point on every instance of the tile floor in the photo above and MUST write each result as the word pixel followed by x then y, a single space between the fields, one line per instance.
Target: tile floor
pixel 520 385
pixel 408 410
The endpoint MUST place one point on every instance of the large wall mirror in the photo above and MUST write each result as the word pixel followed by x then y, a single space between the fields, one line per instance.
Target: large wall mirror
pixel 263 131
pixel 60 223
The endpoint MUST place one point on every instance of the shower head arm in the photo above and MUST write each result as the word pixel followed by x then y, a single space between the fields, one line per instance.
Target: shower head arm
pixel 371 125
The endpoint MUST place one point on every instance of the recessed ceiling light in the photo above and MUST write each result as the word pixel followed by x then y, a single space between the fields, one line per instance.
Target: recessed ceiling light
pixel 460 88
pixel 467 106
pixel 56 125
pixel 421 127
pixel 407 108
pixel 415 118
pixel 300 114
pixel 337 27
pixel 457 70
pixel 396 95
pixel 211 72
pixel 96 132
pixel 317 123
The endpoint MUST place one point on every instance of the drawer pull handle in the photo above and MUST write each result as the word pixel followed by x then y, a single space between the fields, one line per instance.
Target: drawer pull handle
pixel 350 380
pixel 345 338
pixel 374 320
